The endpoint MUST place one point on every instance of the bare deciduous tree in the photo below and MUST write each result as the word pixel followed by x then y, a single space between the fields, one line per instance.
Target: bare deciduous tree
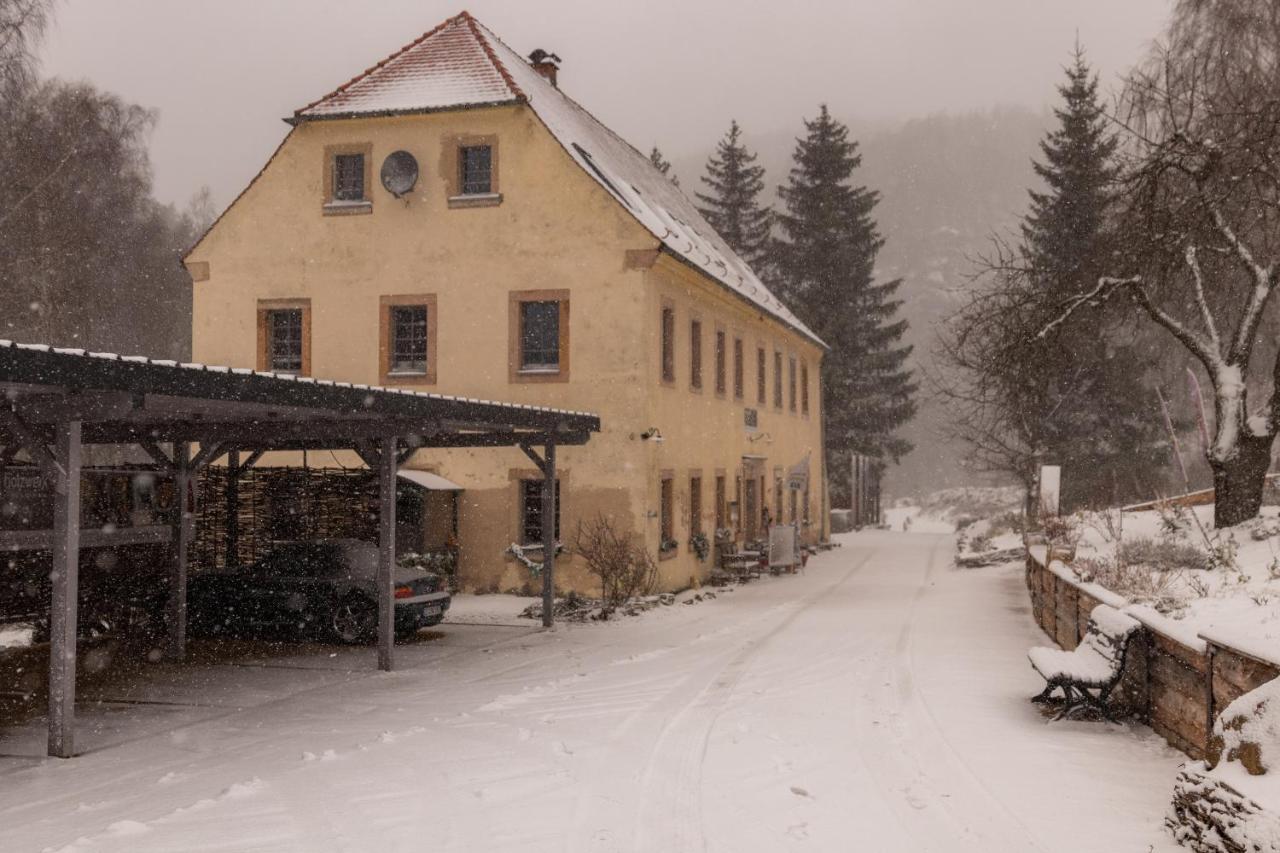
pixel 625 568
pixel 22 24
pixel 1201 220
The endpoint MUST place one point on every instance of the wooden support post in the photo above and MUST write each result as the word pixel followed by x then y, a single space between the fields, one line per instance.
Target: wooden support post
pixel 63 606
pixel 232 559
pixel 386 553
pixel 549 534
pixel 182 481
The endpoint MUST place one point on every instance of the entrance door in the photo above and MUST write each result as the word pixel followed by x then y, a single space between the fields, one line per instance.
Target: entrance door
pixel 750 509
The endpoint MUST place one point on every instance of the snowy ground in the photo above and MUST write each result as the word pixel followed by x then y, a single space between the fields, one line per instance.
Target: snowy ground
pixel 875 703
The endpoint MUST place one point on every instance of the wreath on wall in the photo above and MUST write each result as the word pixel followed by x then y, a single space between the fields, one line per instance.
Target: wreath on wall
pixel 701 546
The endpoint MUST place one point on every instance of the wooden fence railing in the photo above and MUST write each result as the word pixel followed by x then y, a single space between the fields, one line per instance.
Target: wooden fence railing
pixel 1176 680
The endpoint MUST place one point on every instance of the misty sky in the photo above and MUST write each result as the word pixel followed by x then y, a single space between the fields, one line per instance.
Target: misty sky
pixel 222 74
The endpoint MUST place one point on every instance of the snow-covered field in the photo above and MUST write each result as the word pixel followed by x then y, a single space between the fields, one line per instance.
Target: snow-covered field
pixel 877 702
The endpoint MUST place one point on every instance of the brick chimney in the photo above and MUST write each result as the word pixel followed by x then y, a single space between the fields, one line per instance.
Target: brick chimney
pixel 545 63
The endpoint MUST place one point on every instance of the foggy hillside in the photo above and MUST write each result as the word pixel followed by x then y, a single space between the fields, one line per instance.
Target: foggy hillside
pixel 947 182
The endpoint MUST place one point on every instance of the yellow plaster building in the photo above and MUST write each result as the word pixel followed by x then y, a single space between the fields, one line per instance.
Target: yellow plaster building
pixel 452 221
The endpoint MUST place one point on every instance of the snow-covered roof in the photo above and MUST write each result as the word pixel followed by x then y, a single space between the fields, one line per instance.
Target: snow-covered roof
pixel 461 63
pixel 282 377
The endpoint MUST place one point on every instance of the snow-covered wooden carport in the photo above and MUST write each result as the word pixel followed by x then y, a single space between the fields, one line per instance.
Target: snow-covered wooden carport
pixel 189 415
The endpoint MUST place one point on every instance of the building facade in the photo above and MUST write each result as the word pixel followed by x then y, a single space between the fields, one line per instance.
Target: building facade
pixel 450 220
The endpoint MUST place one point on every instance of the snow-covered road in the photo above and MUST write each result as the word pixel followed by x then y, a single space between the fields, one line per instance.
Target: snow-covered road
pixel 875 703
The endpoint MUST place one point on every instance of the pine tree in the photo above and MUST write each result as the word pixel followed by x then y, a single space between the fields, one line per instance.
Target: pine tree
pixel 1065 230
pixel 1105 427
pixel 825 273
pixel 660 163
pixel 732 205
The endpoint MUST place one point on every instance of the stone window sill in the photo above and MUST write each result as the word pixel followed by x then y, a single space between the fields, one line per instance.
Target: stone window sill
pixel 347 208
pixel 475 200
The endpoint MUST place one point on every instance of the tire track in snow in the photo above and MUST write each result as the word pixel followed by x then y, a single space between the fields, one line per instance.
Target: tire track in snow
pixel 920 736
pixel 670 803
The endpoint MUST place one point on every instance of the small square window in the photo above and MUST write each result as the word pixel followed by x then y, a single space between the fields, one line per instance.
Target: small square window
pixel 408 339
pixel 531 511
pixel 348 177
pixel 476 164
pixel 284 344
pixel 540 336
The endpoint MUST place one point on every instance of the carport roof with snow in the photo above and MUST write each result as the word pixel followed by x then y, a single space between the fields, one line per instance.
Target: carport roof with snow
pixel 57 400
pixel 126 399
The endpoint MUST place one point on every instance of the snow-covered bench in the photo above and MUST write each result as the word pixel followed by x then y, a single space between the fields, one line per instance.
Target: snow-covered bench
pixel 1088 674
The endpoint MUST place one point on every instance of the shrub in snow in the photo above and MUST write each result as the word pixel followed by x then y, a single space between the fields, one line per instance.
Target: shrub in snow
pixel 443 563
pixel 1162 555
pixel 1137 583
pixel 623 565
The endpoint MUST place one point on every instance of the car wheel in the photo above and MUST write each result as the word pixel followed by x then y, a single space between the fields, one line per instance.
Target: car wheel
pixel 354 620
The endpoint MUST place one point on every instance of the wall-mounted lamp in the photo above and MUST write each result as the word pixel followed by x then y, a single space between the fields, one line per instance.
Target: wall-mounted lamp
pixel 651 434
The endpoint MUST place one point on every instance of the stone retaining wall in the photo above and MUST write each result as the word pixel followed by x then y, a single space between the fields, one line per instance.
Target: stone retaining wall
pixel 1177 683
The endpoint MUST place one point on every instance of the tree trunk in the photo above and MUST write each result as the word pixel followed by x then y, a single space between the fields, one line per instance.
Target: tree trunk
pixel 1238 482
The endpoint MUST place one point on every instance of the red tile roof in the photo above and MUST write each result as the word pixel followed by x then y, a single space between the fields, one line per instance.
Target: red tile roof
pixel 462 63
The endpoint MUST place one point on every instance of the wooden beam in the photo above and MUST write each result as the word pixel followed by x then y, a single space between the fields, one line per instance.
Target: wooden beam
pixel 207 454
pixel 153 450
pixel 386 554
pixel 368 454
pixel 63 604
pixel 35 446
pixel 84 406
pixel 182 482
pixel 232 498
pixel 90 537
pixel 548 535
pixel 537 460
pixel 250 462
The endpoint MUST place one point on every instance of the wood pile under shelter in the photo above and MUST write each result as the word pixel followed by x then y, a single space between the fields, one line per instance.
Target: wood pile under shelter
pixel 186 416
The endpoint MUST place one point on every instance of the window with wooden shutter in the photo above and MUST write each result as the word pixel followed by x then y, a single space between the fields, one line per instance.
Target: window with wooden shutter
pixel 791 383
pixel 761 380
pixel 695 354
pixel 695 505
pixel 739 370
pixel 721 358
pixel 777 379
pixel 804 388
pixel 668 344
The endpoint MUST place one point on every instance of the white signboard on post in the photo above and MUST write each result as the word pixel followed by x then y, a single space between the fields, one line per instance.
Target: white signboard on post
pixel 1050 487
pixel 782 546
